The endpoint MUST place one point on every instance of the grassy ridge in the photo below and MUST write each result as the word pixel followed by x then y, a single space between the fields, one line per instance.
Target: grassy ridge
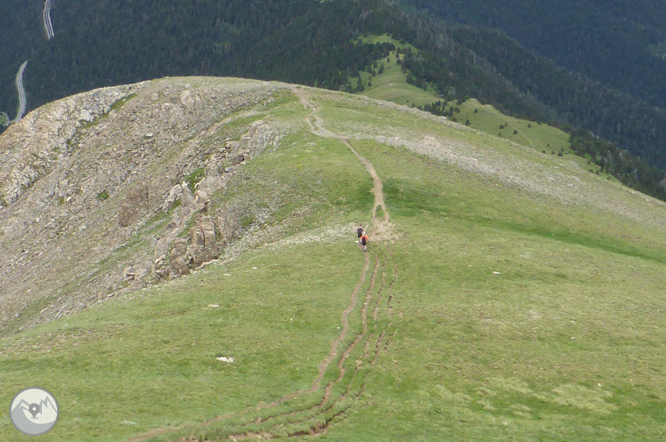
pixel 528 133
pixel 545 349
pixel 509 314
pixel 151 362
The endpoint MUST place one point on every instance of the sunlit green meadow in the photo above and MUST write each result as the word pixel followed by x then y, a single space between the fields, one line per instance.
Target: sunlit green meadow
pixel 501 313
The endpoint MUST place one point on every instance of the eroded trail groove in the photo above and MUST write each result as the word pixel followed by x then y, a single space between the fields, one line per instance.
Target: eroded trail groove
pixel 352 356
pixel 380 227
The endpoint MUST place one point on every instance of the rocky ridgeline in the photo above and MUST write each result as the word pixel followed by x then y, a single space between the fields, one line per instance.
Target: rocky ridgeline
pixel 115 189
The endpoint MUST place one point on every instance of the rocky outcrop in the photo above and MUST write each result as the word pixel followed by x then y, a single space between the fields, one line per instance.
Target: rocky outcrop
pixel 133 207
pixel 179 260
pixel 175 194
pixel 29 150
pixel 113 190
pixel 203 245
pixel 189 253
pixel 177 256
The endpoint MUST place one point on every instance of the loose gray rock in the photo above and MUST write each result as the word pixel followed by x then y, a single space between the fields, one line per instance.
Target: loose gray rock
pixel 83 207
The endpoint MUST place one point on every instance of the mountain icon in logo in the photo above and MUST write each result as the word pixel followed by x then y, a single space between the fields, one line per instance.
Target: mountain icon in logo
pixel 34 411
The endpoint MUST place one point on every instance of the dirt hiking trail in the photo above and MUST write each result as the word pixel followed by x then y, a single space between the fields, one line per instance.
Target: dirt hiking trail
pixel 321 410
pixel 381 228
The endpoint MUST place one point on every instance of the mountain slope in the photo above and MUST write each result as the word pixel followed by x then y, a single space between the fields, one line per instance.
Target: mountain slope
pixel 505 293
pixel 618 43
pixel 317 44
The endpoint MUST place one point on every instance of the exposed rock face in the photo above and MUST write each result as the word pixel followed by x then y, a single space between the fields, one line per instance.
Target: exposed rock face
pixel 203 247
pixel 134 206
pixel 176 257
pixel 179 259
pixel 175 194
pixel 189 253
pixel 237 160
pixel 30 150
pixel 100 194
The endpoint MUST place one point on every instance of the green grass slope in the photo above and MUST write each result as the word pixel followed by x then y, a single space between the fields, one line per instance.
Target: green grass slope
pixel 528 133
pixel 513 296
pixel 391 85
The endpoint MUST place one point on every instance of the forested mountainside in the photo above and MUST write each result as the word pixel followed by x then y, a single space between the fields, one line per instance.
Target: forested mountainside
pixel 620 43
pixel 495 69
pixel 315 43
pixel 109 43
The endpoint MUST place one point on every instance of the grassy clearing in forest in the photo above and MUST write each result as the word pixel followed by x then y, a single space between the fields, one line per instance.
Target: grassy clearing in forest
pixel 391 85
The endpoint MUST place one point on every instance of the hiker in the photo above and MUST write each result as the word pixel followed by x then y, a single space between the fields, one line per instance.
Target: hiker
pixel 359 232
pixel 364 242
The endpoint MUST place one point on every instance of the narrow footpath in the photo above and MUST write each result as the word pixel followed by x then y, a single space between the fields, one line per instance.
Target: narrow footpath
pixel 321 409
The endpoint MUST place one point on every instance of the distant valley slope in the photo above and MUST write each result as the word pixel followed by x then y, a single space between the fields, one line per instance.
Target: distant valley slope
pixel 620 43
pixel 317 44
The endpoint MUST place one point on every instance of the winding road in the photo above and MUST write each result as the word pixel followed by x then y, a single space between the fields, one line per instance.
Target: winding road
pixel 46 16
pixel 48 28
pixel 21 92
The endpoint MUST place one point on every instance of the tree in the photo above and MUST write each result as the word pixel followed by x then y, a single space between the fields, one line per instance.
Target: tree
pixel 359 86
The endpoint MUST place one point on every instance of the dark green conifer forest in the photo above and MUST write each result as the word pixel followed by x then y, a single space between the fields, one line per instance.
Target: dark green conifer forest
pixel 620 43
pixel 595 69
